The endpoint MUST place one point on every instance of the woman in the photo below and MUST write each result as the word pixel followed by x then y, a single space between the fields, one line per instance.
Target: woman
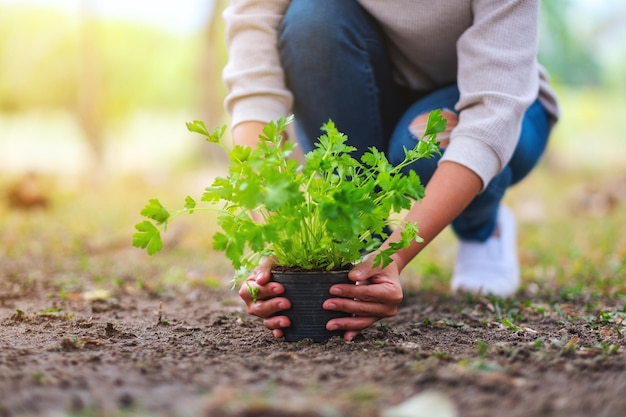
pixel 377 69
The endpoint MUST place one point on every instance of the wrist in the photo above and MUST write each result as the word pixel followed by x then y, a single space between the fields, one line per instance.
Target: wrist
pixel 247 133
pixel 399 261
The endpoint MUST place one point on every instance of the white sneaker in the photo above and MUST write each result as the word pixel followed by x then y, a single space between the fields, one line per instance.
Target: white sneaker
pixel 489 267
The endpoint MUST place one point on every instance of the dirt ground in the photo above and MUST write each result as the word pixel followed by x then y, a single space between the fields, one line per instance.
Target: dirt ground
pixel 90 326
pixel 195 352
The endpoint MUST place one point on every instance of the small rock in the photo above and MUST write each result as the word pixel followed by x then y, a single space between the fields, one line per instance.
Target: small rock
pixel 97 295
pixel 425 404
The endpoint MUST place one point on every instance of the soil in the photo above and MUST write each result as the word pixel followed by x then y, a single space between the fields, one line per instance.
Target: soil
pixel 191 350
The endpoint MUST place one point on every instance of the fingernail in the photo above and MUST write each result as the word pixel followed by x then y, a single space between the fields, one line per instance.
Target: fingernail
pixel 331 305
pixel 336 291
pixel 333 327
pixel 281 305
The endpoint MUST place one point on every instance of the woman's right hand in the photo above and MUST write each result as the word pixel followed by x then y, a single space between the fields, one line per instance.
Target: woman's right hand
pixel 268 303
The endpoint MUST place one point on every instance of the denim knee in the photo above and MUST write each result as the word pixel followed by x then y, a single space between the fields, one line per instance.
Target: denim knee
pixel 444 98
pixel 309 33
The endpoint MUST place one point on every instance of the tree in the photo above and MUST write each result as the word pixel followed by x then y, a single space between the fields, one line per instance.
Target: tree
pixel 575 39
pixel 89 109
pixel 212 60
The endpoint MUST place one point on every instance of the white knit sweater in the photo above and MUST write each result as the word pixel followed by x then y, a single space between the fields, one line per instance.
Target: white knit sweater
pixel 488 47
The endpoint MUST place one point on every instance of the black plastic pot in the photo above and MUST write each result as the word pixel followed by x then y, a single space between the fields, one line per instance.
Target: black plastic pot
pixel 307 291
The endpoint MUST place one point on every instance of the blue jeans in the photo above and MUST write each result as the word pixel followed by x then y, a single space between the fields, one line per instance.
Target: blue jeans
pixel 337 66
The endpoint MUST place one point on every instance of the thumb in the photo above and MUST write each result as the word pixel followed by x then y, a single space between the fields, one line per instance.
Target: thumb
pixel 363 271
pixel 263 272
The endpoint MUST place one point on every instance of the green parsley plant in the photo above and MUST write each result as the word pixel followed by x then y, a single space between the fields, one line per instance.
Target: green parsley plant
pixel 323 214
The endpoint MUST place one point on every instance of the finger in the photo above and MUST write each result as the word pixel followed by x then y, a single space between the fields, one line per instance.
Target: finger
pixel 261 274
pixel 364 270
pixel 268 308
pixel 267 262
pixel 352 324
pixel 386 292
pixel 276 322
pixel 361 308
pixel 277 333
pixel 269 290
pixel 350 335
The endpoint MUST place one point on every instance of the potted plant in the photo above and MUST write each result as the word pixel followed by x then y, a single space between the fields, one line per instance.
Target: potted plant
pixel 317 218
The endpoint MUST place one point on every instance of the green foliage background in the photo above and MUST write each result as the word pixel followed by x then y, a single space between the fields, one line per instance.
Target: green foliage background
pixel 140 66
pixel 144 66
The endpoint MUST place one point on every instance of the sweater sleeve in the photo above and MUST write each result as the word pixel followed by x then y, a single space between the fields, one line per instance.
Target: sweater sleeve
pixel 253 75
pixel 498 81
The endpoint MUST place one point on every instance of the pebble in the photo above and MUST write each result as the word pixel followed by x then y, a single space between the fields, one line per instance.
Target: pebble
pixel 425 404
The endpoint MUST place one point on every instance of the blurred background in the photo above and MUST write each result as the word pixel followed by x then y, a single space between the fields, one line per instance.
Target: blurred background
pixel 93 88
pixel 94 96
pixel 96 92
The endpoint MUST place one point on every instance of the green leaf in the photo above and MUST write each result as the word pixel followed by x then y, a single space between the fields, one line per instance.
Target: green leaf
pixel 410 233
pixel 435 124
pixel 283 122
pixel 383 257
pixel 240 154
pixel 281 190
pixel 154 210
pixel 427 147
pixel 272 131
pixel 220 189
pixel 198 126
pixel 220 241
pixel 344 212
pixel 147 237
pixel 377 160
pixel 190 204
pixel 230 246
pixel 510 325
pixel 414 187
pixel 254 292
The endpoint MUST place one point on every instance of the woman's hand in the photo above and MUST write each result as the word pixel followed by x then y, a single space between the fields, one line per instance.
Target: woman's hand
pixel 267 301
pixel 376 295
pixel 378 292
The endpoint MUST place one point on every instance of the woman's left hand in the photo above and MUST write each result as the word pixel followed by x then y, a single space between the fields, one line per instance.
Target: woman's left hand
pixel 376 295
